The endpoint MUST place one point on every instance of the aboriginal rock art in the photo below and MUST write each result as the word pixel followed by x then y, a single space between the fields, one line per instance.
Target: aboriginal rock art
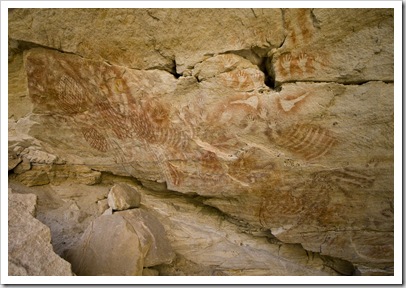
pixel 111 111
pixel 104 110
pixel 301 63
pixel 70 95
pixel 251 166
pixel 308 141
pixel 289 203
pixel 299 25
pixel 242 111
pixel 346 179
pixel 290 102
pixel 95 139
pixel 279 203
pixel 291 200
pixel 243 80
pixel 118 110
pixel 259 118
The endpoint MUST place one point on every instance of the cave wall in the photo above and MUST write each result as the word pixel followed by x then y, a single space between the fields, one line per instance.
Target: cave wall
pixel 281 119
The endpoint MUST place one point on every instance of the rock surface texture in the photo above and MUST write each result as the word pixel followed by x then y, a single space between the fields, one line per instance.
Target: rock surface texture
pixel 278 121
pixel 121 244
pixel 30 251
pixel 122 197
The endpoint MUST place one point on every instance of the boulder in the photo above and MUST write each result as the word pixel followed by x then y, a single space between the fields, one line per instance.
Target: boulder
pixel 120 244
pixel 152 235
pixel 108 211
pixel 109 246
pixel 122 197
pixel 30 251
pixel 67 209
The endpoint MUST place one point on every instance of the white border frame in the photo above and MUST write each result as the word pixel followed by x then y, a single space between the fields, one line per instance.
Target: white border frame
pixel 398 200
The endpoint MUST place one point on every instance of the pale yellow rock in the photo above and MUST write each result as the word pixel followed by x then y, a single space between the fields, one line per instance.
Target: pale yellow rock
pixel 108 211
pixel 109 246
pixel 25 165
pixel 150 272
pixel 120 244
pixel 155 245
pixel 67 209
pixel 123 196
pixel 298 158
pixel 33 178
pixel 13 162
pixel 314 49
pixel 208 244
pixel 158 38
pixel 29 244
pixel 56 174
pixel 19 104
pixel 102 205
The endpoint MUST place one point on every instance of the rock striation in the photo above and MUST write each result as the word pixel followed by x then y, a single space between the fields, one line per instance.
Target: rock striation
pixel 272 116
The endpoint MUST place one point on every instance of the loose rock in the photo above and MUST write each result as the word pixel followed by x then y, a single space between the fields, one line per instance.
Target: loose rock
pixel 121 244
pixel 123 196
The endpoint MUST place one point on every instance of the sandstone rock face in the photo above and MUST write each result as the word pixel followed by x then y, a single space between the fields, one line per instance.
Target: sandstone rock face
pixel 155 245
pixel 19 102
pixel 67 209
pixel 315 49
pixel 121 244
pixel 207 243
pixel 102 206
pixel 109 246
pixel 122 197
pixel 151 33
pixel 29 243
pixel 150 272
pixel 273 116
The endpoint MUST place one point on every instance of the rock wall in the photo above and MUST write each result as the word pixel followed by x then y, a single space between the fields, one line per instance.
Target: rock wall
pixel 281 119
pixel 29 241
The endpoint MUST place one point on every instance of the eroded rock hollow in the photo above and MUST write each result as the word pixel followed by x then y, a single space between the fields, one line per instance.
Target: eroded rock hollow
pixel 245 141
